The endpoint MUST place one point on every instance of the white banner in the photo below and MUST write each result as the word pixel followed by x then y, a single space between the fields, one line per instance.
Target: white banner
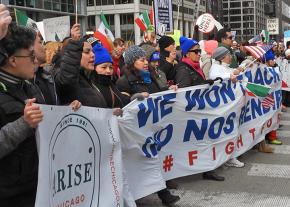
pixel 284 66
pixel 196 129
pixel 57 28
pixel 79 158
pixel 273 26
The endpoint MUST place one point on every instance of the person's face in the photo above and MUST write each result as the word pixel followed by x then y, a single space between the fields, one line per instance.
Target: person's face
pixel 24 63
pixel 194 53
pixel 171 48
pixel 227 59
pixel 39 50
pixel 235 45
pixel 105 69
pixel 271 63
pixel 154 64
pixel 120 48
pixel 141 64
pixel 88 57
pixel 228 40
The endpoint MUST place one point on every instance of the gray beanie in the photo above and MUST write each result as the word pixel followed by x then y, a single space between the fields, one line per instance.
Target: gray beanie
pixel 220 53
pixel 132 54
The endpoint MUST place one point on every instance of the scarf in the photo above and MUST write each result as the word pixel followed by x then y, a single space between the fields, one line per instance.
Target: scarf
pixel 194 65
pixel 105 80
pixel 146 76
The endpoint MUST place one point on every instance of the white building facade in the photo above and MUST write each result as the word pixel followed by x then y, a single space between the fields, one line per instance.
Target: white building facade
pixel 120 14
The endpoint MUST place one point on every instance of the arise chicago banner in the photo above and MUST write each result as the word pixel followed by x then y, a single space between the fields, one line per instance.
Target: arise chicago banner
pixel 79 158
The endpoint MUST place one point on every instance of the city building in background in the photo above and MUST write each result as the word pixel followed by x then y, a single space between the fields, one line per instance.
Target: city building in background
pixel 42 9
pixel 120 14
pixel 247 18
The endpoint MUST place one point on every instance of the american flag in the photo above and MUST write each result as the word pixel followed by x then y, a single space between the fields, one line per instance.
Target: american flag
pixel 268 102
pixel 255 39
pixel 258 51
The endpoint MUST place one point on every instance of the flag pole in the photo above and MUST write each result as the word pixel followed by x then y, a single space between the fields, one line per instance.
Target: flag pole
pixel 76 2
pixel 178 5
pixel 16 16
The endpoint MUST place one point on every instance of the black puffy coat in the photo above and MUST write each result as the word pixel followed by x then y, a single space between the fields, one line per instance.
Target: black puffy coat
pixel 130 83
pixel 187 76
pixel 72 82
pixel 18 169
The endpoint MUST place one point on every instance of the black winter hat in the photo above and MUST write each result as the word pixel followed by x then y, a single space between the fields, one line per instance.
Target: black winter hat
pixel 165 41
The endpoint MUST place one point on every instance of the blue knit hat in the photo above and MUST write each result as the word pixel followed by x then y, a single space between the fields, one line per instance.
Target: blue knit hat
pixel 186 44
pixel 268 56
pixel 101 55
pixel 155 56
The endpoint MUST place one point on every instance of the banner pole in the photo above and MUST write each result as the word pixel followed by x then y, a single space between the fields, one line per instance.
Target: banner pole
pixel 76 2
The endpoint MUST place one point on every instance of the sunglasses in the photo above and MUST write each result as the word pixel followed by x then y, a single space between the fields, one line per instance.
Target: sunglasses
pixel 230 37
pixel 196 51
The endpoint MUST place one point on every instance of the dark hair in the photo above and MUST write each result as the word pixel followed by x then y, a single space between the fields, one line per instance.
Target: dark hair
pixel 287 44
pixel 118 41
pixel 18 37
pixel 222 34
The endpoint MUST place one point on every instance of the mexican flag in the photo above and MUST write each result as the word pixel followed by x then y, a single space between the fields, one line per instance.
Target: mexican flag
pixel 104 33
pixel 257 90
pixel 145 21
pixel 266 35
pixel 262 92
pixel 23 20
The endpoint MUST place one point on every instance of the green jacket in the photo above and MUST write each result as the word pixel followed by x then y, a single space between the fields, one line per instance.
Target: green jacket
pixel 234 63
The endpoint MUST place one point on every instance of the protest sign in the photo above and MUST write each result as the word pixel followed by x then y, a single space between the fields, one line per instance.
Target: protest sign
pixel 206 23
pixel 176 35
pixel 273 26
pixel 285 71
pixel 163 17
pixel 79 158
pixel 56 29
pixel 286 37
pixel 196 129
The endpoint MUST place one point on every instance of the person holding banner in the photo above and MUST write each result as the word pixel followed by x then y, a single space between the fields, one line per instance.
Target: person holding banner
pixel 73 78
pixel 137 82
pixel 168 60
pixel 189 72
pixel 220 67
pixel 102 78
pixel 19 167
pixel 269 60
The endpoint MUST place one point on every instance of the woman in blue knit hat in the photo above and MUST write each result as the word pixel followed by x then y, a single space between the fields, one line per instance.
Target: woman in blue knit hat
pixel 269 60
pixel 102 79
pixel 189 72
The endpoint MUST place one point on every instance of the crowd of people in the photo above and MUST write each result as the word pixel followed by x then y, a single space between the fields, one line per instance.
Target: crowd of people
pixel 81 71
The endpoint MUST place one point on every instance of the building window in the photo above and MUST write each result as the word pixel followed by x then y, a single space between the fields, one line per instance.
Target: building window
pixel 127 26
pixel 235 11
pixel 124 1
pixel 26 3
pixel 235 4
pixel 91 3
pixel 146 2
pixel 235 18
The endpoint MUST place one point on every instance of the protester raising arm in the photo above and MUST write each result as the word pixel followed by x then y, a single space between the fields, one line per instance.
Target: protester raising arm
pixel 5 20
pixel 68 73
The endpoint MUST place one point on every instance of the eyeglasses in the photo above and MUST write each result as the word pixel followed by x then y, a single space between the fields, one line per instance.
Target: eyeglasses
pixel 230 37
pixel 196 51
pixel 32 56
